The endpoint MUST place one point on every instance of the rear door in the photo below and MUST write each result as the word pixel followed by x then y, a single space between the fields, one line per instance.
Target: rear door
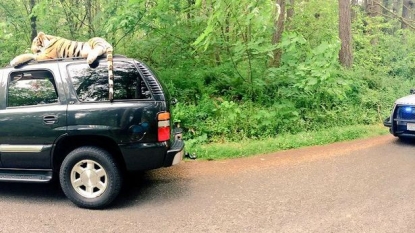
pixel 129 118
pixel 32 118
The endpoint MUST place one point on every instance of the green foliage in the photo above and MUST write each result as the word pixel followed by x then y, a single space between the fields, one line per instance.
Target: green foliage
pixel 215 151
pixel 316 21
pixel 311 72
pixel 239 33
pixel 214 57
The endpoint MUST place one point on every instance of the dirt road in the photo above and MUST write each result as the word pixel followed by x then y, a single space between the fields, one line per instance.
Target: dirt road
pixel 358 186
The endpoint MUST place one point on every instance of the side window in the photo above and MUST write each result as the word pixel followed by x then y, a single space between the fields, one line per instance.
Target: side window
pixel 31 88
pixel 91 84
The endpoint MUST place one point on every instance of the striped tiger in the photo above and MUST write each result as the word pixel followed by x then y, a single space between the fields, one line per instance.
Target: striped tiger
pixel 45 47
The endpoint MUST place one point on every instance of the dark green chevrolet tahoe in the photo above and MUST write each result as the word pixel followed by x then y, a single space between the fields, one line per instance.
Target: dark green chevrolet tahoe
pixel 56 121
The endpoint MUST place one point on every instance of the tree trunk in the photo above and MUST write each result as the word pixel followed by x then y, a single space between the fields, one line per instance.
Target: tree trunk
pixel 395 5
pixel 290 10
pixel 88 8
pixel 345 34
pixel 387 3
pixel 279 29
pixel 406 12
pixel 353 11
pixel 373 8
pixel 33 26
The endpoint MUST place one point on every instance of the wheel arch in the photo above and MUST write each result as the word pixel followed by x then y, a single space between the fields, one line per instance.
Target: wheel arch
pixel 68 143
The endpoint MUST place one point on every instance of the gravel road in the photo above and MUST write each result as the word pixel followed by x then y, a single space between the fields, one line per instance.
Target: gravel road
pixel 357 186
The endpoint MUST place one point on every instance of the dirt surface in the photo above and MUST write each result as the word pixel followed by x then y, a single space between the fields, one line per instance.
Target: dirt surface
pixel 196 168
pixel 356 186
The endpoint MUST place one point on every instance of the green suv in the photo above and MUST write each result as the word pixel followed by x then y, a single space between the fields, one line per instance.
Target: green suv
pixel 56 122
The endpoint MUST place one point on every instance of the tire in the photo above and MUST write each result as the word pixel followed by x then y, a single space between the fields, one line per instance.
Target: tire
pixel 90 178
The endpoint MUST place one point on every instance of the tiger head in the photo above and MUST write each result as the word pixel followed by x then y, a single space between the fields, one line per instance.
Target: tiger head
pixel 40 42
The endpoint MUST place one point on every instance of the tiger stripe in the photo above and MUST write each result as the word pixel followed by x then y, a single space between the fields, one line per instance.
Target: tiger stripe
pixel 46 47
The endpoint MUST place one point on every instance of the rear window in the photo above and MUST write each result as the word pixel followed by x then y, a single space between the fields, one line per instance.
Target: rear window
pixel 91 84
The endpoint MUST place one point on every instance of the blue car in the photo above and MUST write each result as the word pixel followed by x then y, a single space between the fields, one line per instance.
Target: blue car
pixel 401 122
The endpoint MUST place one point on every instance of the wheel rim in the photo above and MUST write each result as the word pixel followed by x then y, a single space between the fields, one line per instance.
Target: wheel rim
pixel 89 179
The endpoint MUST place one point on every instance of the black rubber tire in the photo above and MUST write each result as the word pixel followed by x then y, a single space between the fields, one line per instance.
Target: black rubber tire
pixel 100 159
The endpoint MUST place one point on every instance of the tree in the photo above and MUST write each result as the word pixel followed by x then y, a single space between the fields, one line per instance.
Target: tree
pixel 237 32
pixel 395 5
pixel 373 8
pixel 345 34
pixel 290 10
pixel 32 19
pixel 279 29
pixel 407 7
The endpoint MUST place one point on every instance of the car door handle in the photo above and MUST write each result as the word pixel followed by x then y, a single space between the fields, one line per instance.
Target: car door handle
pixel 50 119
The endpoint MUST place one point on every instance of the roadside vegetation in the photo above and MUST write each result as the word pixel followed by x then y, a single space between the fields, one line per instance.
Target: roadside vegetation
pixel 241 89
pixel 249 147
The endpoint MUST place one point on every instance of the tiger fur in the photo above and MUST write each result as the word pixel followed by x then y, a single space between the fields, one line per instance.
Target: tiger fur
pixel 45 47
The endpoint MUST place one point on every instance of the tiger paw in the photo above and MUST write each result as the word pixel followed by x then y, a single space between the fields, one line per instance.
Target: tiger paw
pixel 14 63
pixel 91 58
pixel 21 59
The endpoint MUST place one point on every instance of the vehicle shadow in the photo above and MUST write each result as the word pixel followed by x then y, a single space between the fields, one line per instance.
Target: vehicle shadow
pixel 138 188
pixel 405 141
pixel 26 191
pixel 158 185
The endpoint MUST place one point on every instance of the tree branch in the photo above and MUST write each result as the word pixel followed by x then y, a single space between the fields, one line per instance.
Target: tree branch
pixel 394 14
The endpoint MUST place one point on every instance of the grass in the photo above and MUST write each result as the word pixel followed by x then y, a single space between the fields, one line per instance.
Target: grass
pixel 217 151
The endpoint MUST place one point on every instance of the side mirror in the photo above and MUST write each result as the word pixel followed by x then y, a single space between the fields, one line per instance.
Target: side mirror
pixel 412 91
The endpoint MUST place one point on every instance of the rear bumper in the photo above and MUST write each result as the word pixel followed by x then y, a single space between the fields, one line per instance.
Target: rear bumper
pixel 175 154
pixel 398 128
pixel 147 156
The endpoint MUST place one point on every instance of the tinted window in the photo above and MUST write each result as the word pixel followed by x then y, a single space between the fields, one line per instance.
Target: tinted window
pixel 91 84
pixel 31 88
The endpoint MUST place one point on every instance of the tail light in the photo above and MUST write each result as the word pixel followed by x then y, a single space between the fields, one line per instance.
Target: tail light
pixel 163 126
